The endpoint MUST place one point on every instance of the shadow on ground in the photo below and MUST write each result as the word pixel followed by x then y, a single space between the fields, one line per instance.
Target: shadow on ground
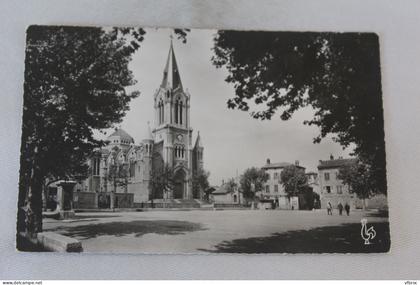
pixel 138 228
pixel 333 239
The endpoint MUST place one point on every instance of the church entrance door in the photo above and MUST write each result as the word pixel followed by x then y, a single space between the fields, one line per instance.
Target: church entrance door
pixel 179 184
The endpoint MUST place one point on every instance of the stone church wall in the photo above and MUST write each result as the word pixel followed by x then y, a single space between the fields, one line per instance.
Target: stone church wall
pixel 140 191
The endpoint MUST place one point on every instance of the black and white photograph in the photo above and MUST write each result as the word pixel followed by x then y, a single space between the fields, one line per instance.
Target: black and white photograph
pixel 173 140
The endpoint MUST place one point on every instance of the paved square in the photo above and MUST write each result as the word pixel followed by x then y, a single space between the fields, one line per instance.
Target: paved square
pixel 249 231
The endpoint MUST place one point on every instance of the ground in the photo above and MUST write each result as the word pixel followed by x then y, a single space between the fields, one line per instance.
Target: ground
pixel 244 231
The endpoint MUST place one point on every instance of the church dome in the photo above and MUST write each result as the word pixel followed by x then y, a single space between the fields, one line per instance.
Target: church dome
pixel 122 135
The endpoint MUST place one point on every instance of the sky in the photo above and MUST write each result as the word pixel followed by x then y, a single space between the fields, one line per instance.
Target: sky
pixel 233 141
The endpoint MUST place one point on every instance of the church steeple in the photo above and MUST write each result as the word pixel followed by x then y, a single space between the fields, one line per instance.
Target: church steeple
pixel 171 78
pixel 198 143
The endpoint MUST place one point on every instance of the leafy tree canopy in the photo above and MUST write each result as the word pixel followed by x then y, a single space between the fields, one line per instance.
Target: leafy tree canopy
pixel 75 82
pixel 231 185
pixel 337 74
pixel 358 176
pixel 200 181
pixel 294 180
pixel 252 181
pixel 162 180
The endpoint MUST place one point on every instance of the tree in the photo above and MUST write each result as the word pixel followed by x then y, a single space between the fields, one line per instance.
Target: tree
pixel 293 180
pixel 200 182
pixel 75 82
pixel 336 74
pixel 252 181
pixel 231 185
pixel 162 181
pixel 358 176
pixel 118 175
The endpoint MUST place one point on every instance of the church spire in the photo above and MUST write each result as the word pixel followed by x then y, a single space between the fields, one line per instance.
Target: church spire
pixel 149 132
pixel 198 143
pixel 171 77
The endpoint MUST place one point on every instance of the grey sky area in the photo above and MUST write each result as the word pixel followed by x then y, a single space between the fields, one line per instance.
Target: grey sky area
pixel 233 141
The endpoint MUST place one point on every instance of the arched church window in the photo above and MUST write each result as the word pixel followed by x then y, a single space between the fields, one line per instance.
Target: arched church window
pixel 132 168
pixel 96 166
pixel 176 111
pixel 180 112
pixel 161 111
pixel 183 152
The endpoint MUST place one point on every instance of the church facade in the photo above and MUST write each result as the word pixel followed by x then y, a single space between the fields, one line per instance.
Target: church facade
pixel 125 167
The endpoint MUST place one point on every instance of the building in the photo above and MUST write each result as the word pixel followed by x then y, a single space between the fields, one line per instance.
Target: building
pixel 225 196
pixel 273 189
pixel 313 182
pixel 332 188
pixel 334 191
pixel 168 144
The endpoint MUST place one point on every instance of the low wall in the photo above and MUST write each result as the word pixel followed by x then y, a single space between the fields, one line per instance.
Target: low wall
pixel 56 242
pixel 85 200
pixel 228 205
pixel 93 200
pixel 123 200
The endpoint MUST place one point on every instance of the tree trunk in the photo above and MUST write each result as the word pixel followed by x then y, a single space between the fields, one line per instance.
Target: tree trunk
pixel 33 217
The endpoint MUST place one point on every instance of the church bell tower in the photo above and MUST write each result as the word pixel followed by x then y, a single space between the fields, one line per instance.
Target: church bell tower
pixel 172 131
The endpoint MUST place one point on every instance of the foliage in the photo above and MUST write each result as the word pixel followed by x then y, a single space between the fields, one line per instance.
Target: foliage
pixel 231 185
pixel 118 174
pixel 336 74
pixel 75 82
pixel 162 180
pixel 294 180
pixel 359 177
pixel 200 181
pixel 252 181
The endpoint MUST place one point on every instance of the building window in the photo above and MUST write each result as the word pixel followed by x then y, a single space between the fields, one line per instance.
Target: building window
pixel 267 188
pixel 234 198
pixel 326 176
pixel 276 188
pixel 96 166
pixel 269 176
pixel 328 189
pixel 161 111
pixel 336 176
pixel 176 112
pixel 340 189
pixel 180 112
pixel 132 169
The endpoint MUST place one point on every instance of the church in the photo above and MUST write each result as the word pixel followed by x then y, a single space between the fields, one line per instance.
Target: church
pixel 169 144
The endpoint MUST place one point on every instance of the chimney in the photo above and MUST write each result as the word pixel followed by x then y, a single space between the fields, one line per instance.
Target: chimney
pixel 331 157
pixel 223 181
pixel 297 162
pixel 268 161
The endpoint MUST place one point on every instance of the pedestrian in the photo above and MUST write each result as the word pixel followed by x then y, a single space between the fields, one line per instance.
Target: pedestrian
pixel 347 208
pixel 329 209
pixel 340 208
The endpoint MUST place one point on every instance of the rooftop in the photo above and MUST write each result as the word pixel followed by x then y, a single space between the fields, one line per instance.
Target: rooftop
pixel 223 189
pixel 335 163
pixel 279 165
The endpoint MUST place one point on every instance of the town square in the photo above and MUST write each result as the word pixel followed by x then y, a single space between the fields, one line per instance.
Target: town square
pixel 150 149
pixel 223 231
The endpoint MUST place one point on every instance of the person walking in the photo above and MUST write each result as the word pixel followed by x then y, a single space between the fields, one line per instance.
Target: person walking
pixel 329 209
pixel 347 208
pixel 340 209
